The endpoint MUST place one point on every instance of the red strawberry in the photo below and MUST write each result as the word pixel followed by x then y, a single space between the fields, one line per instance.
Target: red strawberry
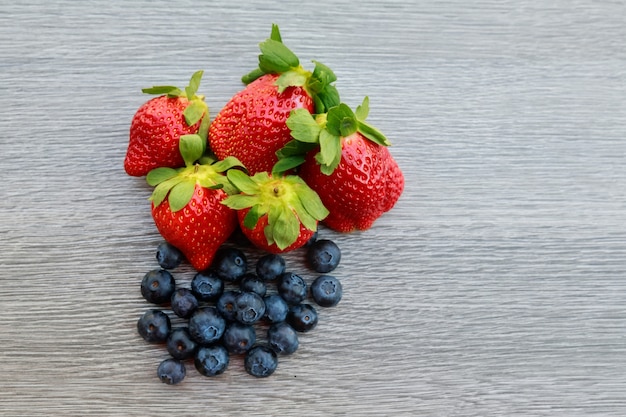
pixel 251 126
pixel 160 122
pixel 187 204
pixel 276 213
pixel 199 228
pixel 353 172
pixel 257 236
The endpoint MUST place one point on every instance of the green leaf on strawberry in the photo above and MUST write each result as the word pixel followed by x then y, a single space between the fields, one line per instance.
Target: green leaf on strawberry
pixel 180 194
pixel 291 156
pixel 163 188
pixel 178 185
pixel 303 126
pixel 286 202
pixel 326 130
pixel 191 148
pixel 196 109
pixel 194 84
pixel 168 90
pixel 341 121
pixel 159 175
pixel 275 34
pixel 329 155
pixel 276 58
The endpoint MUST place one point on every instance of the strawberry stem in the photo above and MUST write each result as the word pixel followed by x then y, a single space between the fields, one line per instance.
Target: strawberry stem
pixel 327 131
pixel 276 58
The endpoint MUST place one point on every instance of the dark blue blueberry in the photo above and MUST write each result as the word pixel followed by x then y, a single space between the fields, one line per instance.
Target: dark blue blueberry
pixel 276 308
pixel 206 325
pixel 154 326
pixel 326 291
pixel 168 256
pixel 238 338
pixel 282 338
pixel 270 266
pixel 252 283
pixel 323 255
pixel 250 307
pixel 157 286
pixel 180 344
pixel 292 288
pixel 226 305
pixel 171 371
pixel 261 361
pixel 184 303
pixel 302 317
pixel 230 264
pixel 207 286
pixel 211 360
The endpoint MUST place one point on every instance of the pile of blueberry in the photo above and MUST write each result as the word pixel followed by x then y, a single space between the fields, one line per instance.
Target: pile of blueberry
pixel 226 304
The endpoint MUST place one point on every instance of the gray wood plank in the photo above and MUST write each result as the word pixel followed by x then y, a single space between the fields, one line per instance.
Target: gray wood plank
pixel 494 287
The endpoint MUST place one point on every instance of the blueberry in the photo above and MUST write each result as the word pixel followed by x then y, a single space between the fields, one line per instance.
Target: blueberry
pixel 276 308
pixel 230 264
pixel 270 266
pixel 171 371
pixel 180 344
pixel 323 255
pixel 206 325
pixel 207 286
pixel 249 307
pixel 302 317
pixel 261 361
pixel 154 326
pixel 292 288
pixel 326 291
pixel 238 338
pixel 168 256
pixel 211 360
pixel 184 303
pixel 226 305
pixel 157 286
pixel 282 338
pixel 252 283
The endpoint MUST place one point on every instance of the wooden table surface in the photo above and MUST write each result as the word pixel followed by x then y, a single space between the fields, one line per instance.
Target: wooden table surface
pixel 495 287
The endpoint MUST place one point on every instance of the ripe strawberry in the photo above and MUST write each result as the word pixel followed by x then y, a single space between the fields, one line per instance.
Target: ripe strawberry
pixel 251 126
pixel 276 213
pixel 158 124
pixel 351 170
pixel 186 204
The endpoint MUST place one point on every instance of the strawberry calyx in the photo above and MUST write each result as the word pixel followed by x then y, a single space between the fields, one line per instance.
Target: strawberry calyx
pixel 276 58
pixel 286 200
pixel 178 185
pixel 327 132
pixel 197 107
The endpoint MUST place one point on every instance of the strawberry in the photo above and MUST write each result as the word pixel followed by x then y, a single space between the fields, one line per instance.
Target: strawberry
pixel 277 213
pixel 349 167
pixel 187 203
pixel 158 124
pixel 251 126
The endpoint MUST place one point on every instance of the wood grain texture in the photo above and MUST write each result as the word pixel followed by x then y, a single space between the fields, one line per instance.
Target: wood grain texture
pixel 494 287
